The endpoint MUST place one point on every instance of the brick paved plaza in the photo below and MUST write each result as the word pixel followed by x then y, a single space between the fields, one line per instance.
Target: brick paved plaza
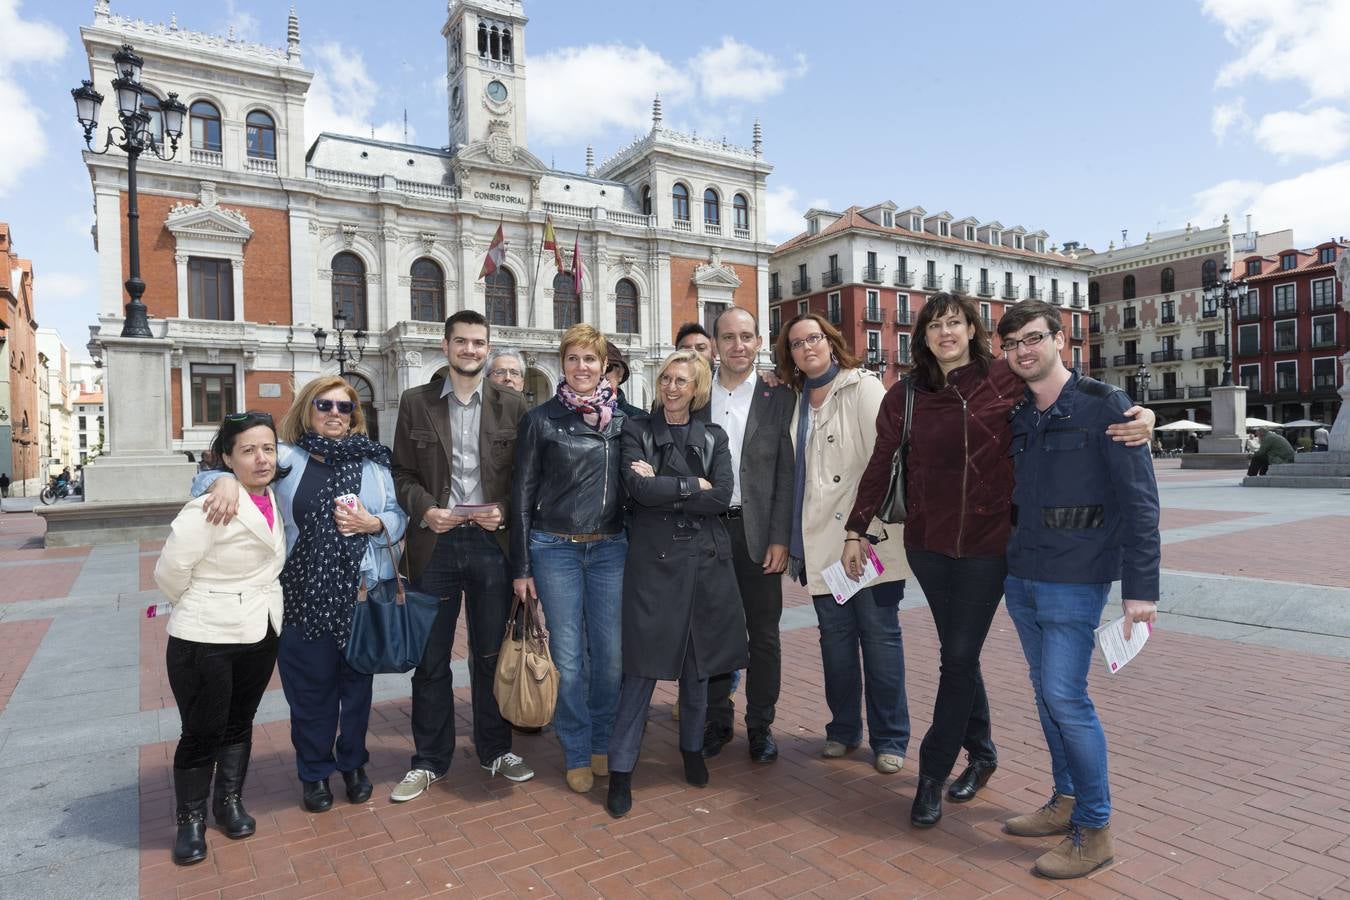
pixel 1229 738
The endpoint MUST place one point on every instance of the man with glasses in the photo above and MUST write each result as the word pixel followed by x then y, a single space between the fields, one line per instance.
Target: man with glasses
pixel 506 369
pixel 1085 514
pixel 454 449
pixel 755 416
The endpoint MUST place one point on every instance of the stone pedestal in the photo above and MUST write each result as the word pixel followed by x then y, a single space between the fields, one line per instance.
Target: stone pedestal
pixel 1228 417
pixel 1340 430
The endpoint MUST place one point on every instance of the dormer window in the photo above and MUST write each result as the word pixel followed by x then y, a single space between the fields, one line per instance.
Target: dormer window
pixel 915 223
pixel 970 232
pixel 1288 261
pixel 1326 255
pixel 944 229
pixel 1253 267
pixel 888 218
pixel 995 239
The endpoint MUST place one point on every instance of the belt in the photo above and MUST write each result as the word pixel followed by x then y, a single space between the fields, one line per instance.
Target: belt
pixel 733 512
pixel 580 538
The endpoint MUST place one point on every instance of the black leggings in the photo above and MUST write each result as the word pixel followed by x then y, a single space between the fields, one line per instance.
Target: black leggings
pixel 963 595
pixel 217 688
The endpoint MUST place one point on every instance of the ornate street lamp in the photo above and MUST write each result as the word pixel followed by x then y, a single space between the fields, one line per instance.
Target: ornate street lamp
pixel 1225 293
pixel 1142 377
pixel 132 135
pixel 340 352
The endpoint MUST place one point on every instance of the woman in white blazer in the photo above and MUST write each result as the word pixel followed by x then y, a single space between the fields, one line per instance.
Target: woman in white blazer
pixel 223 582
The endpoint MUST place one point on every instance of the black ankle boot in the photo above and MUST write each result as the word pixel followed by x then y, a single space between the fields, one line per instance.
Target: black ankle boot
pixel 620 798
pixel 227 803
pixel 969 782
pixel 927 809
pixel 191 788
pixel 695 769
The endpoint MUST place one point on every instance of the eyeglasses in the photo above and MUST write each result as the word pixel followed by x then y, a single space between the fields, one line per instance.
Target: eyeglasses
pixel 809 341
pixel 344 407
pixel 1031 340
pixel 502 373
pixel 249 414
pixel 678 380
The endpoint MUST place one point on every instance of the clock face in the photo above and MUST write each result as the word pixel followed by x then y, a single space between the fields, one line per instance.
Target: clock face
pixel 497 91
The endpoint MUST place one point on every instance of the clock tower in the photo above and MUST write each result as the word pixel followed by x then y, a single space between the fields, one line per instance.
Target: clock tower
pixel 485 52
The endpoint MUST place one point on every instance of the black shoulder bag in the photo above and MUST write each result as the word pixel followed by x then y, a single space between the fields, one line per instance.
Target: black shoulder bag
pixel 892 509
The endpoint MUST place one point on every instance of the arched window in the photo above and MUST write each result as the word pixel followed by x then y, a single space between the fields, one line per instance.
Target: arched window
pixel 506 45
pixel 500 288
pixel 712 208
pixel 495 42
pixel 742 208
pixel 205 126
pixel 1094 293
pixel 482 40
pixel 626 308
pixel 646 200
pixel 428 291
pixel 680 202
pixel 150 103
pixel 1169 281
pixel 566 303
pixel 349 289
pixel 1127 288
pixel 262 135
pixel 1209 273
pixel 365 395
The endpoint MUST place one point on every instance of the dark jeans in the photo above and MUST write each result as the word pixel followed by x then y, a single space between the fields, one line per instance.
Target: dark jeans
pixel 217 688
pixel 635 698
pixel 869 622
pixel 1259 465
pixel 762 596
pixel 466 561
pixel 963 595
pixel 330 705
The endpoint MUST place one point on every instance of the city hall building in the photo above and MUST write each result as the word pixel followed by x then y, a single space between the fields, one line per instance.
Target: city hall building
pixel 251 240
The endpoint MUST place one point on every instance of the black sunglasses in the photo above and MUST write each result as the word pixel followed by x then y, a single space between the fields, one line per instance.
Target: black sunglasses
pixel 344 407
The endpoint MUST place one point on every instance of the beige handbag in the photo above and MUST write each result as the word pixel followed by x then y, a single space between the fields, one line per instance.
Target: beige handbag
pixel 526 682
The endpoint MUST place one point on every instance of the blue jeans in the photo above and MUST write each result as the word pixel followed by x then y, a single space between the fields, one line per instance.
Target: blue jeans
pixel 581 589
pixel 870 622
pixel 1056 624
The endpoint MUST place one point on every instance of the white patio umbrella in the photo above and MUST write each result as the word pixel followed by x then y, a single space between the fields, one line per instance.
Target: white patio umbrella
pixel 1184 425
pixel 1253 422
pixel 1300 423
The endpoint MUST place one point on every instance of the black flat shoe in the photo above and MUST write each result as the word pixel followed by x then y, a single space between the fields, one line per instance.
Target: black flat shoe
pixel 763 749
pixel 619 800
pixel 714 739
pixel 927 809
pixel 358 785
pixel 969 782
pixel 316 796
pixel 695 769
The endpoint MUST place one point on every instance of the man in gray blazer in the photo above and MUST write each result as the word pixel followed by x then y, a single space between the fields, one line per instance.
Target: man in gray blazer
pixel 755 417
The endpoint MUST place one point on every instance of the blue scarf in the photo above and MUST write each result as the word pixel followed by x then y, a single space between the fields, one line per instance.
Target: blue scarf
pixel 320 582
pixel 797 552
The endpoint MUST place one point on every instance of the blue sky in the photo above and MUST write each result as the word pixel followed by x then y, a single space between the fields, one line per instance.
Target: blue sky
pixel 1080 118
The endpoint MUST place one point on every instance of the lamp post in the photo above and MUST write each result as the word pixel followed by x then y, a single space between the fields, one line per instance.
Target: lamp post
pixel 340 352
pixel 132 135
pixel 1142 377
pixel 1225 293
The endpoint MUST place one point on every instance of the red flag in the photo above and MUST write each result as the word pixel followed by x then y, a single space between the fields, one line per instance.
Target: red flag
pixel 551 243
pixel 496 254
pixel 576 264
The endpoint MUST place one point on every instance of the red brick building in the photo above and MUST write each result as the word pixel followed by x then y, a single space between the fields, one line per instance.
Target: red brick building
pixel 20 434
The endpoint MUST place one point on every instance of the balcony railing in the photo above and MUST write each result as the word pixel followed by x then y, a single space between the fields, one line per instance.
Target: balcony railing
pixel 1288 345
pixel 1323 340
pixel 904 277
pixel 1077 301
pixel 801 285
pixel 1057 298
pixel 835 315
pixel 903 316
pixel 1095 328
pixel 712 227
pixel 1035 293
pixel 1209 312
pixel 873 357
pixel 831 277
pixel 1248 313
pixel 1161 356
pixel 1128 359
pixel 683 225
pixel 775 292
pixel 986 289
pixel 1096 362
pixel 1198 393
pixel 874 274
pixel 1285 385
pixel 1286 308
pixel 932 282
pixel 261 164
pixel 1130 322
pixel 903 357
pixel 1167 319
pixel 960 285
pixel 1247 347
pixel 1077 332
pixel 207 157
pixel 874 314
pixel 1209 351
pixel 1323 302
pixel 1011 292
pixel 1166 393
pixel 1322 383
pixel 990 323
pixel 743 233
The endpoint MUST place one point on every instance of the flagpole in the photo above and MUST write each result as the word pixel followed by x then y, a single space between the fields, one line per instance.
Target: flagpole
pixel 538 263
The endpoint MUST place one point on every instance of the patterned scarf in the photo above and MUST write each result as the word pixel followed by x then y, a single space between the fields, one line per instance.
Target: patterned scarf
pixel 320 583
pixel 797 552
pixel 595 410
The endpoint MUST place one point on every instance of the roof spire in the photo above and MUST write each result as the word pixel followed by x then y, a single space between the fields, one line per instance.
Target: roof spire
pixel 657 117
pixel 590 160
pixel 758 139
pixel 101 10
pixel 293 37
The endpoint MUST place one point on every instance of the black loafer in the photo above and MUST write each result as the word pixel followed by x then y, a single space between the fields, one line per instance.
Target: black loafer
pixel 763 749
pixel 968 784
pixel 358 785
pixel 927 809
pixel 714 739
pixel 316 796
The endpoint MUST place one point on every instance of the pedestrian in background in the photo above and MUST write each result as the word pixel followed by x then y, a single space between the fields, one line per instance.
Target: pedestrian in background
pixel 505 369
pixel 1271 447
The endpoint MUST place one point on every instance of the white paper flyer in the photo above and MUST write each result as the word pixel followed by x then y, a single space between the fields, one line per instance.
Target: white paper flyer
pixel 1116 650
pixel 844 587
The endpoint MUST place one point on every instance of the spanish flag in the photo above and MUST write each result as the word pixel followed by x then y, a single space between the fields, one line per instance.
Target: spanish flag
pixel 496 254
pixel 551 243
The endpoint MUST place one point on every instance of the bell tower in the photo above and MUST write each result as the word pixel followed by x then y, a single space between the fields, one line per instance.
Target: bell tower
pixel 485 58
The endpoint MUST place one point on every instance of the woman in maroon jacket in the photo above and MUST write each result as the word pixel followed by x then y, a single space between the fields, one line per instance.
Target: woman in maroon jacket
pixel 959 494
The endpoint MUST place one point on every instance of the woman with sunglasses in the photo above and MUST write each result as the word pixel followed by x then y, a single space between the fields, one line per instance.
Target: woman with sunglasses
pixel 833 431
pixel 342 517
pixel 222 584
pixel 958 497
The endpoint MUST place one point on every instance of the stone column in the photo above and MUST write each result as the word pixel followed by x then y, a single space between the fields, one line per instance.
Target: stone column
pixel 1228 416
pixel 1340 431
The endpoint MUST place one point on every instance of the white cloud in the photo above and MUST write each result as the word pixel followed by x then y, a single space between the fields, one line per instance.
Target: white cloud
pixel 587 89
pixel 1300 203
pixel 1322 133
pixel 736 71
pixel 23 142
pixel 51 286
pixel 28 41
pixel 243 23
pixel 783 211
pixel 1228 117
pixel 1278 40
pixel 344 95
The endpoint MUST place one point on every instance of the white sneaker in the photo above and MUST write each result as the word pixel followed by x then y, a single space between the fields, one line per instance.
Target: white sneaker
pixel 510 767
pixel 413 785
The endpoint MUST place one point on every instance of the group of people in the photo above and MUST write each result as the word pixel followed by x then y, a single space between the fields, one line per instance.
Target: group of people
pixel 656 543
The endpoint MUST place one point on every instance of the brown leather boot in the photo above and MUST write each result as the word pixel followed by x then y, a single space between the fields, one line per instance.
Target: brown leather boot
pixel 1052 818
pixel 1085 850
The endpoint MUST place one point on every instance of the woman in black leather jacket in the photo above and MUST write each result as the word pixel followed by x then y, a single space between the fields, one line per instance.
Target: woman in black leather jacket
pixel 568 546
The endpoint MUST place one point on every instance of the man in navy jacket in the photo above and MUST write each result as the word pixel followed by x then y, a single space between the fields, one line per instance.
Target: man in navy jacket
pixel 1085 514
